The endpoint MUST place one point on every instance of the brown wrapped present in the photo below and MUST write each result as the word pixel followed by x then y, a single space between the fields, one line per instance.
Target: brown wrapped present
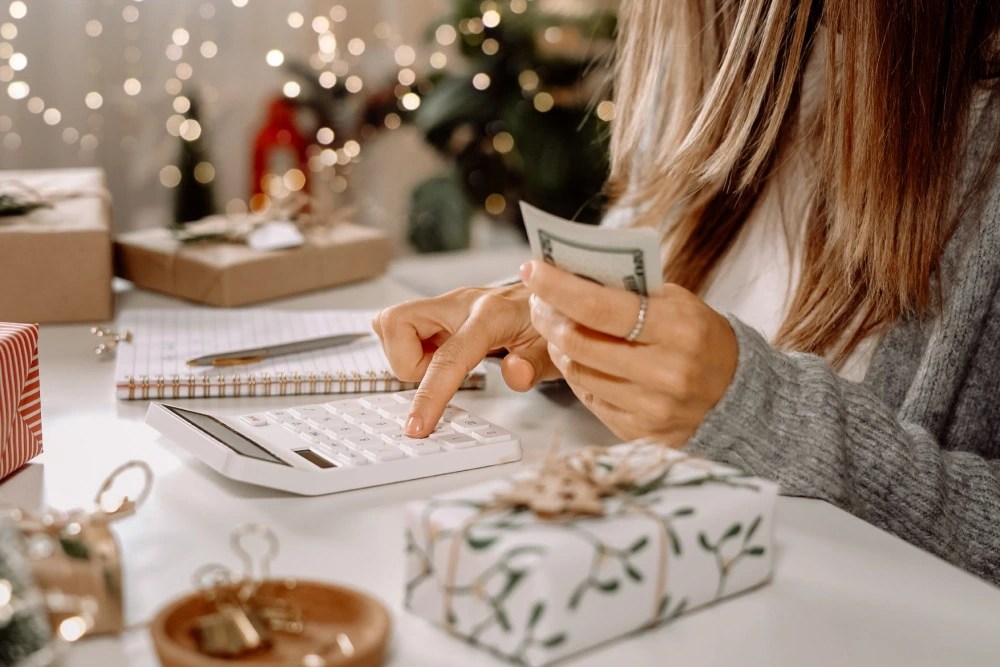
pixel 55 261
pixel 233 274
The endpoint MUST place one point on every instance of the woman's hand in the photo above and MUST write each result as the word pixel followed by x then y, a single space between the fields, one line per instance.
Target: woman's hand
pixel 663 384
pixel 438 341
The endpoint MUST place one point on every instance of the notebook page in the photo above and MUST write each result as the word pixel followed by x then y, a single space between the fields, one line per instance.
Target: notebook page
pixel 154 364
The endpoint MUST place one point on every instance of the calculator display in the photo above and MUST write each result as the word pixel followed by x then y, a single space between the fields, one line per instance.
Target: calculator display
pixel 231 438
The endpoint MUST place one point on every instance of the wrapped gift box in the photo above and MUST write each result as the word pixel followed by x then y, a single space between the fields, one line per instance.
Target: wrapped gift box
pixel 20 397
pixel 55 262
pixel 533 590
pixel 233 274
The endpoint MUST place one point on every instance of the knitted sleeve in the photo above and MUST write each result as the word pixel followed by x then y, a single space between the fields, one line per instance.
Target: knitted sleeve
pixel 790 418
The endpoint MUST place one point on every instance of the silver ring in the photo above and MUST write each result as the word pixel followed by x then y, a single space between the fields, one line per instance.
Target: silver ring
pixel 640 321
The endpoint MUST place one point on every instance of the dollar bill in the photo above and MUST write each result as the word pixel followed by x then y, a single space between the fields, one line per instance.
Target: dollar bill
pixel 627 259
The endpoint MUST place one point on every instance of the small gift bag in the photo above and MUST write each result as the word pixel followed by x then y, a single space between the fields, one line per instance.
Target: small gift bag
pixel 20 397
pixel 589 547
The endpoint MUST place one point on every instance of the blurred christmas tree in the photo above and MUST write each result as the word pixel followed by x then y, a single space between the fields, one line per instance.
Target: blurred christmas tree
pixel 194 197
pixel 520 121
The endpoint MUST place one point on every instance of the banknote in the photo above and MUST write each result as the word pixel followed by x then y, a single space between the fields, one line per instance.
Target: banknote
pixel 624 258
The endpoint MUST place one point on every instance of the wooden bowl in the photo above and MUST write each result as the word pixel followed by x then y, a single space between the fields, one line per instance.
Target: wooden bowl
pixel 326 609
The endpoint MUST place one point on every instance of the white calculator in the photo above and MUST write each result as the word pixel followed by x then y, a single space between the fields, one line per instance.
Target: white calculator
pixel 337 446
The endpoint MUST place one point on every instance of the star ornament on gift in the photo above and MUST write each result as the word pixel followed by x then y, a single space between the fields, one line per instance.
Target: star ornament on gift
pixel 20 396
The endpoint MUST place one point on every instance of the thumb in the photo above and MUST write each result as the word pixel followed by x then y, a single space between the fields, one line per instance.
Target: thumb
pixel 527 365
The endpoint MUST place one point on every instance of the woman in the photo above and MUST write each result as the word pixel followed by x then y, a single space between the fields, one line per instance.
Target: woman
pixel 825 172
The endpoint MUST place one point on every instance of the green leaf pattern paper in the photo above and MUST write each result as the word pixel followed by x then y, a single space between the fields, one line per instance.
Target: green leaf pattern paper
pixel 534 591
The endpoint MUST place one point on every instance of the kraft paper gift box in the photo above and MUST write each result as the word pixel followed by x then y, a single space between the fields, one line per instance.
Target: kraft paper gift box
pixel 534 589
pixel 20 397
pixel 55 262
pixel 233 274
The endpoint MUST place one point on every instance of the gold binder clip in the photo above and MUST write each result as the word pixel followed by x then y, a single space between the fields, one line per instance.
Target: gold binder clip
pixel 109 340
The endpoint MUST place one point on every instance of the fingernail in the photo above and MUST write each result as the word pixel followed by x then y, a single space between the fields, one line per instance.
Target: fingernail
pixel 414 425
pixel 525 272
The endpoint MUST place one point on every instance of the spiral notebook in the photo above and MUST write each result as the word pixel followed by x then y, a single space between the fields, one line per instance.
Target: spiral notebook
pixel 153 365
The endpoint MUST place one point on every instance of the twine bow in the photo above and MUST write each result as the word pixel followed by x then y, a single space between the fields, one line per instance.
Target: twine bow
pixel 296 208
pixel 574 485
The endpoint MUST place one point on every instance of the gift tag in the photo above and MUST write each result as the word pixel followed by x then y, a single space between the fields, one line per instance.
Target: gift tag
pixel 275 235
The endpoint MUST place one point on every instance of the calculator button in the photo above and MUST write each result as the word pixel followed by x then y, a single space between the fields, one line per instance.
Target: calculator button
pixel 399 438
pixel 280 416
pixel 329 421
pixel 363 441
pixel 296 425
pixel 337 406
pixel 254 420
pixel 311 435
pixel 492 434
pixel 387 453
pixel 380 426
pixel 358 416
pixel 394 409
pixel 307 411
pixel 421 447
pixel 451 413
pixel 352 458
pixel 456 441
pixel 468 424
pixel 374 401
pixel 343 430
pixel 441 429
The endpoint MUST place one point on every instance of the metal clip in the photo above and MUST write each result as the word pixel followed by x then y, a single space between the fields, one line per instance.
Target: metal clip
pixel 109 340
pixel 114 507
pixel 234 628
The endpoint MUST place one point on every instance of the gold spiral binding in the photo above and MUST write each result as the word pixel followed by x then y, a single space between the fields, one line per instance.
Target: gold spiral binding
pixel 206 386
pixel 356 376
pixel 160 384
pixel 312 383
pixel 189 381
pixel 372 381
pixel 298 383
pixel 131 386
pixel 389 381
pixel 144 384
pixel 237 383
pixel 252 385
pixel 220 380
pixel 266 379
pixel 282 383
pixel 342 382
pixel 327 382
pixel 175 385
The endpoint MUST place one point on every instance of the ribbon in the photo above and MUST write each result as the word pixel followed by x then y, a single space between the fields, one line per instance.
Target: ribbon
pixel 576 485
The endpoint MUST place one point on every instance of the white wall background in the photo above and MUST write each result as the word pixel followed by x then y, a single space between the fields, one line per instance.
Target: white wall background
pixel 127 135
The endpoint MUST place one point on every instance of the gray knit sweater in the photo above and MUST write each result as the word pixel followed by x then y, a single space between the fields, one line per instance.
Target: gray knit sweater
pixel 915 447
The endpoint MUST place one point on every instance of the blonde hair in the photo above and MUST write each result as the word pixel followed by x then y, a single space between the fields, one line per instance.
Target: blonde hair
pixel 706 92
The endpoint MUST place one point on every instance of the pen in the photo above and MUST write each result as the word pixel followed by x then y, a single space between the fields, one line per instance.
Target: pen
pixel 254 354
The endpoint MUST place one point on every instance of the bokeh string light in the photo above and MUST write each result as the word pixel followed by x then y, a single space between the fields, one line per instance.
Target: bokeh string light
pixel 335 61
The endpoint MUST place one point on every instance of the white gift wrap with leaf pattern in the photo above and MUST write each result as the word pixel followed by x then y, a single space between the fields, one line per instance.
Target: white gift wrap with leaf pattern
pixel 533 590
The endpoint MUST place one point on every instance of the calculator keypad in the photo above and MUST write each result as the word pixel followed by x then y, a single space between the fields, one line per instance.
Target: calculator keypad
pixel 369 430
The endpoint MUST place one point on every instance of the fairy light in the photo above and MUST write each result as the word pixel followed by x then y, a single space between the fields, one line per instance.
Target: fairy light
pixel 352 148
pixel 17 61
pixel 356 46
pixel 170 176
pixel 543 102
pixel 70 135
pixel 410 101
pixel 392 121
pixel 491 18
pixel 173 86
pixel 88 142
pixel 206 11
pixel 320 24
pixel 481 81
pixel 503 142
pixel 190 129
pixel 204 172
pixel 174 52
pixel 338 13
pixel 183 71
pixel 354 84
pixel 274 58
pixel 132 86
pixel 528 80
pixel 36 105
pixel 130 14
pixel 327 44
pixel 52 116
pixel 324 135
pixel 93 28
pixel 495 204
pixel 18 90
pixel 553 34
pixel 209 49
pixel 174 125
pixel 296 20
pixel 6 49
pixel 180 37
pixel 382 30
pixel 239 3
pixel 404 55
pixel 18 9
pixel 445 34
pixel 518 6
pixel 291 89
pixel 328 79
pixel 406 76
pixel 490 46
pixel 438 60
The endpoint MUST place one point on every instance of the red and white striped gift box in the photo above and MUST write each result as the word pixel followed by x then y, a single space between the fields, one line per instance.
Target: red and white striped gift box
pixel 20 397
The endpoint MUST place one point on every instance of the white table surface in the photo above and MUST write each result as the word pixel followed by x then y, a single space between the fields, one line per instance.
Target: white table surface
pixel 844 592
